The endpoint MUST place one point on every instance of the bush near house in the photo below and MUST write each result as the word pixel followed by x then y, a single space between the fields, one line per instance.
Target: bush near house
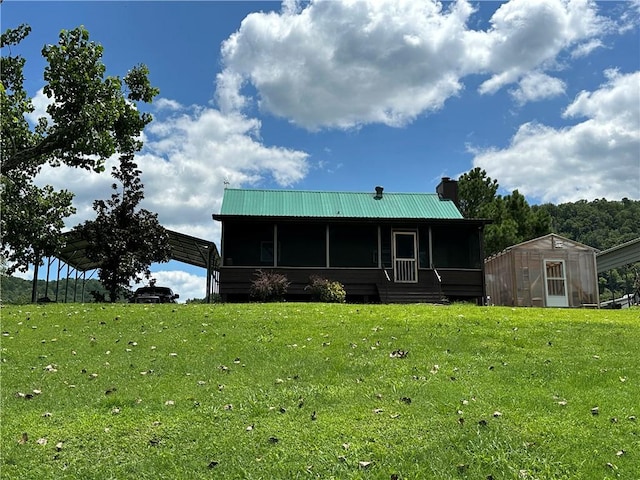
pixel 269 286
pixel 325 290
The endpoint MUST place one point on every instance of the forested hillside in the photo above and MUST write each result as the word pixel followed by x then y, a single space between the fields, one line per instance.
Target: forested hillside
pixel 18 290
pixel 600 224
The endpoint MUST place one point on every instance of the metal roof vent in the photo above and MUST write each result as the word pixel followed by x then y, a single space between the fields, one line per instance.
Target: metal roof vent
pixel 378 193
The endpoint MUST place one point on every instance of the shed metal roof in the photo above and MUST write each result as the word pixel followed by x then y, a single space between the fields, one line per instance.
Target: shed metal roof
pixel 316 204
pixel 552 241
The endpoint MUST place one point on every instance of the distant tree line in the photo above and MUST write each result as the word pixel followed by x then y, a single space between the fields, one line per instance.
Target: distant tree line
pixel 600 223
pixel 16 290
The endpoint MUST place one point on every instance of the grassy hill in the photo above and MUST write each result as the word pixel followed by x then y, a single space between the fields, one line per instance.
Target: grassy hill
pixel 318 391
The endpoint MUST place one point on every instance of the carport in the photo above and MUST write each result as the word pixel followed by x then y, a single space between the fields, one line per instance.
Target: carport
pixel 184 248
pixel 619 256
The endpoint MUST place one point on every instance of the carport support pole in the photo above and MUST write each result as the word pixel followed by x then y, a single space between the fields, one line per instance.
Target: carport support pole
pixel 46 284
pixel 66 285
pixel 84 281
pixel 208 299
pixel 34 285
pixel 58 280
pixel 75 287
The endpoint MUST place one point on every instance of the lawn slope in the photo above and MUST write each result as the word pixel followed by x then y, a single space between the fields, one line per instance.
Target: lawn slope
pixel 318 391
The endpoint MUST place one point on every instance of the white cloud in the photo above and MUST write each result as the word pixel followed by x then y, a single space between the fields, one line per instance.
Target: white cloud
pixel 166 104
pixel 341 64
pixel 40 103
pixel 537 86
pixel 526 35
pixel 187 285
pixel 26 275
pixel 598 157
pixel 346 63
pixel 189 157
pixel 630 18
pixel 186 160
pixel 586 48
pixel 86 186
pixel 617 101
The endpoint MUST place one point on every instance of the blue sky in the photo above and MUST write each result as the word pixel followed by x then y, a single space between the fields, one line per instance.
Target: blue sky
pixel 346 95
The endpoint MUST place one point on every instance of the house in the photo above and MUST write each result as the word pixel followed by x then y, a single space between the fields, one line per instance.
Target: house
pixel 550 271
pixel 388 247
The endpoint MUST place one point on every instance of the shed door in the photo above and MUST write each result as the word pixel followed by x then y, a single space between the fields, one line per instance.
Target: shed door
pixel 404 257
pixel 556 283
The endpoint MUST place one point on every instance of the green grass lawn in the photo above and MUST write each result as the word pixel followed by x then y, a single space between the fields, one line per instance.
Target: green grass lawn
pixel 282 391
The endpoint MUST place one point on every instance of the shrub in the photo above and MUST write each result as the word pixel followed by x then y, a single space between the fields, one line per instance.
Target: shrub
pixel 215 298
pixel 326 290
pixel 269 286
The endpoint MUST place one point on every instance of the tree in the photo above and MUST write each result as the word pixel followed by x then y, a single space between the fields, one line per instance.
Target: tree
pixel 476 191
pixel 503 232
pixel 31 222
pixel 124 240
pixel 531 223
pixel 514 221
pixel 91 118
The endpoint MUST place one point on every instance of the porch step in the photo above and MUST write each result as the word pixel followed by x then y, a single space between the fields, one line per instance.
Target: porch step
pixel 408 293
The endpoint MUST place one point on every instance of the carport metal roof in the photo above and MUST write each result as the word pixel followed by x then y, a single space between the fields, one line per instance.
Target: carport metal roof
pixel 619 255
pixel 184 248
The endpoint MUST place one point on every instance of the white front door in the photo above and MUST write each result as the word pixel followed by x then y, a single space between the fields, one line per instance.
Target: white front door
pixel 555 283
pixel 405 259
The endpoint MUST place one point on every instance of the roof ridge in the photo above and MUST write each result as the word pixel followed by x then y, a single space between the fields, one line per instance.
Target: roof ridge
pixel 327 191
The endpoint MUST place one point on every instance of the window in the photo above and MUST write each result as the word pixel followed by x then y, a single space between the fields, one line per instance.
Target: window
pixel 353 246
pixel 456 247
pixel 302 245
pixel 247 244
pixel 266 252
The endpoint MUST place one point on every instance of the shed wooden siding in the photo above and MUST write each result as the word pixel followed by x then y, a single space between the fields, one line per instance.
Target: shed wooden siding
pixel 515 277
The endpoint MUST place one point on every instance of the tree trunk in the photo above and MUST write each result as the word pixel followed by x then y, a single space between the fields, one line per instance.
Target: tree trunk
pixel 34 284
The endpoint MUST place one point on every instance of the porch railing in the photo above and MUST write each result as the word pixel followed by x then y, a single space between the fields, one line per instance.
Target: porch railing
pixel 405 271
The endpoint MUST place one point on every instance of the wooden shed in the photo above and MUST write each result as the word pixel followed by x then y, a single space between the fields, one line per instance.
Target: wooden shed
pixel 549 271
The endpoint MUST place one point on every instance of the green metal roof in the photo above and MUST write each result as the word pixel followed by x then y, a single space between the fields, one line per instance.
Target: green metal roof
pixel 314 204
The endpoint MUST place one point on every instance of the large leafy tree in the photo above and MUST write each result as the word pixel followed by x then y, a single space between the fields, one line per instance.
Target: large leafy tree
pixel 123 239
pixel 514 220
pixel 90 118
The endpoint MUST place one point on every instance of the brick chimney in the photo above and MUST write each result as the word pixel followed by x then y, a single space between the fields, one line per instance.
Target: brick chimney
pixel 448 189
